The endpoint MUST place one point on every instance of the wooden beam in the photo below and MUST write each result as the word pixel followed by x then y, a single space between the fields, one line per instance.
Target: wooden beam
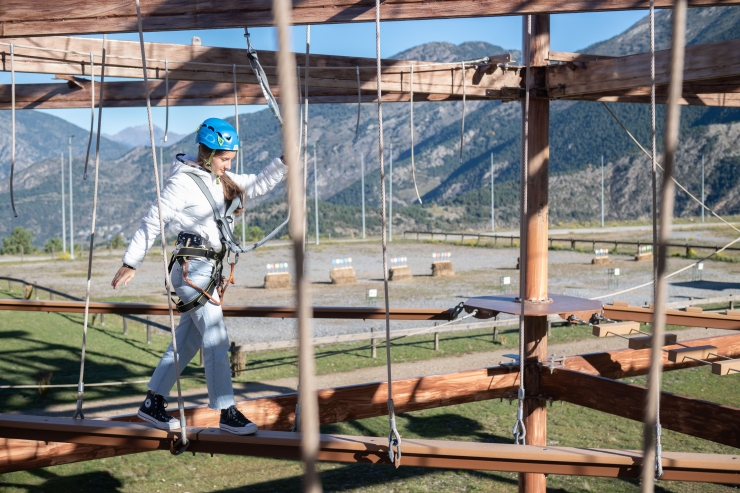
pixel 618 311
pixel 694 417
pixel 41 18
pixel 706 61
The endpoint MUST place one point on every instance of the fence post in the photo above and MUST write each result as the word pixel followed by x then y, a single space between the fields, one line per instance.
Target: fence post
pixel 373 343
pixel 35 292
pixel 687 249
pixel 148 330
pixel 52 251
pixel 495 334
pixel 436 341
pixel 22 256
pixel 51 295
pixel 732 304
pixel 102 319
pixel 572 244
pixel 549 328
pixel 125 325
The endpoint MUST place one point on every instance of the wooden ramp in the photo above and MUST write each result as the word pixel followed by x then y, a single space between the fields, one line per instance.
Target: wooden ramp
pixel 371 450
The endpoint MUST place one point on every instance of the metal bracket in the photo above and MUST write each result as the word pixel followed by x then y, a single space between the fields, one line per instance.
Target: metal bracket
pixel 555 361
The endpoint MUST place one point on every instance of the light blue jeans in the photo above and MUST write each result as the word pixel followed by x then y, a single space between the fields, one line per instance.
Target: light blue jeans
pixel 202 326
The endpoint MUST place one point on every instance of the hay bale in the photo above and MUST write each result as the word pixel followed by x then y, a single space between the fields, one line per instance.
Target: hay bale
pixel 443 268
pixel 343 275
pixel 644 257
pixel 399 273
pixel 277 280
pixel 601 261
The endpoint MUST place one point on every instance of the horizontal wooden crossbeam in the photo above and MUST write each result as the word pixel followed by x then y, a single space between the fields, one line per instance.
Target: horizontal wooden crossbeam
pixel 371 450
pixel 693 417
pixel 622 311
pixel 40 18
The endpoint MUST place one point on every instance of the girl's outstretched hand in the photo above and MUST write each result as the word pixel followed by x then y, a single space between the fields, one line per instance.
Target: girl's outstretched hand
pixel 124 275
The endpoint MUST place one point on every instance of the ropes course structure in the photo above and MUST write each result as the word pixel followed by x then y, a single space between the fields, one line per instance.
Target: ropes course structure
pixel 185 75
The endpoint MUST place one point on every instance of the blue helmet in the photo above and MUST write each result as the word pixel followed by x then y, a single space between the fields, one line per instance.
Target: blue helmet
pixel 218 135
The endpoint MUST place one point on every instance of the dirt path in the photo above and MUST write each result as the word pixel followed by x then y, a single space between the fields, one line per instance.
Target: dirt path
pixel 400 371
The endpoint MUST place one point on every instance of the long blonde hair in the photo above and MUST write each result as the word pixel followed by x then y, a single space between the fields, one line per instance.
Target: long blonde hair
pixel 231 189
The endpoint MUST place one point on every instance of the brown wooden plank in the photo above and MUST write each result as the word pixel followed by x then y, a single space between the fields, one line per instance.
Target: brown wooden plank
pixel 702 419
pixel 42 18
pixel 674 317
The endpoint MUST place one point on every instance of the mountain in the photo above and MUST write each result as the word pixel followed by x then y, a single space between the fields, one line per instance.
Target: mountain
pixel 139 136
pixel 42 136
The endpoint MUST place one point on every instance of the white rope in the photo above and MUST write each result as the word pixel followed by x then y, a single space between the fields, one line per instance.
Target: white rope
pixel 236 116
pixel 182 443
pixel 411 107
pixel 12 127
pixel 359 102
pixel 81 382
pixel 462 120
pixel 92 113
pixel 394 439
pixel 519 430
pixel 166 99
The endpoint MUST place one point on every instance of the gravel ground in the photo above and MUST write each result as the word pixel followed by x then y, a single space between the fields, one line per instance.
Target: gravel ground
pixel 479 272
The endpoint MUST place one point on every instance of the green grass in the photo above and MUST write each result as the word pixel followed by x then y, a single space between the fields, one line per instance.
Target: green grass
pixel 50 342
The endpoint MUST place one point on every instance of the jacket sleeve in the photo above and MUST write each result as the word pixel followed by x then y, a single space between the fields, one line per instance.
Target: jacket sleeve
pixel 174 199
pixel 264 181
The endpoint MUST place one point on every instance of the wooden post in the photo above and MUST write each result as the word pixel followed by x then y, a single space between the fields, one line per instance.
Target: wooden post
pixel 125 325
pixel 495 334
pixel 436 341
pixel 35 292
pixel 536 222
pixel 22 257
pixel 148 330
pixel 373 343
pixel 102 319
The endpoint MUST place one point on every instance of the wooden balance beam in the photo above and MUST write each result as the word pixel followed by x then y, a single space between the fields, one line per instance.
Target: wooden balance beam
pixel 371 450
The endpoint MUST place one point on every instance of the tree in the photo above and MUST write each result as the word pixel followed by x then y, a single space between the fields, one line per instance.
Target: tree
pixel 117 241
pixel 253 233
pixel 53 244
pixel 20 237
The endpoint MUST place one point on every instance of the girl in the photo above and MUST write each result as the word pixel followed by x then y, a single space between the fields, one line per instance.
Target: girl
pixel 196 267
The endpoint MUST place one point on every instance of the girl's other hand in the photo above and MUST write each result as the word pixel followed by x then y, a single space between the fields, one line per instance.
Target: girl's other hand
pixel 124 275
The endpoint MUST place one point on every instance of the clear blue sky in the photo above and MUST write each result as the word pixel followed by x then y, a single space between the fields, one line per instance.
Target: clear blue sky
pixel 570 32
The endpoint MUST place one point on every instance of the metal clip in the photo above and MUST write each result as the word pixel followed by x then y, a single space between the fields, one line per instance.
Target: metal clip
pixel 555 361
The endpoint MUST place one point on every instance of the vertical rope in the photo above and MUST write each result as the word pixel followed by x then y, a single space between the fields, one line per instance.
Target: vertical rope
pixel 394 439
pixel 182 443
pixel 92 113
pixel 78 414
pixel 359 103
pixel 462 121
pixel 651 444
pixel 306 383
pixel 236 114
pixel 12 127
pixel 520 431
pixel 411 107
pixel 166 99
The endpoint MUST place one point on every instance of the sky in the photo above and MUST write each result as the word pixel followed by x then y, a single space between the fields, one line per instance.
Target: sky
pixel 569 32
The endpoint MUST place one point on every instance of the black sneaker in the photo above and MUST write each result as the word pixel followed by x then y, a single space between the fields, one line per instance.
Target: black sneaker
pixel 234 422
pixel 153 411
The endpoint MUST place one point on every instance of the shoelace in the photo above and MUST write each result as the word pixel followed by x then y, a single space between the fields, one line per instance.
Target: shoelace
pixel 237 416
pixel 162 414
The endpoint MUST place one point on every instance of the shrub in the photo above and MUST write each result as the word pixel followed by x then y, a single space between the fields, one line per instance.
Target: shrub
pixel 20 237
pixel 117 241
pixel 53 244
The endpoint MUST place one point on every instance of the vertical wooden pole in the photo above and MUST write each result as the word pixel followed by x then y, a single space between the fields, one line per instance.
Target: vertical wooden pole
pixel 535 328
pixel 373 343
pixel 125 325
pixel 148 330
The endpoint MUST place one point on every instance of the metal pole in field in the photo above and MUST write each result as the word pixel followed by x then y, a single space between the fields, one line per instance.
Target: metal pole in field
pixel 64 206
pixel 493 204
pixel 362 171
pixel 390 199
pixel 71 205
pixel 602 190
pixel 315 194
pixel 702 188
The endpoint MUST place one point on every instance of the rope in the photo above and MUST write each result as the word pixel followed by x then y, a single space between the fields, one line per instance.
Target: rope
pixel 359 102
pixel 462 121
pixel 519 430
pixel 236 111
pixel 306 371
pixel 167 99
pixel 394 439
pixel 411 107
pixel 81 382
pixel 92 112
pixel 12 127
pixel 259 72
pixel 182 444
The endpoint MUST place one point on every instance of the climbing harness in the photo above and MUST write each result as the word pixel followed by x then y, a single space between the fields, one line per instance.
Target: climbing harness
pixel 81 382
pixel 411 107
pixel 92 112
pixel 519 430
pixel 394 439
pixel 262 79
pixel 359 103
pixel 12 126
pixel 191 246
pixel 166 99
pixel 182 443
pixel 462 120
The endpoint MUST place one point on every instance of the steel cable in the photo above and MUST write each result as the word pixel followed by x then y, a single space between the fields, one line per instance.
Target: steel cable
pixel 92 113
pixel 12 127
pixel 411 107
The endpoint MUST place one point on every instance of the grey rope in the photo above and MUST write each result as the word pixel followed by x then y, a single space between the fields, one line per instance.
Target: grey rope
pixel 92 112
pixel 81 382
pixel 394 439
pixel 411 107
pixel 12 127
pixel 166 99
pixel 300 110
pixel 236 113
pixel 654 173
pixel 254 62
pixel 519 430
pixel 182 444
pixel 462 121
pixel 359 103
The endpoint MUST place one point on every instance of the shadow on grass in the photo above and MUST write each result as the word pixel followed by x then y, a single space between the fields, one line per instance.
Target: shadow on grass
pixel 90 481
pixel 710 285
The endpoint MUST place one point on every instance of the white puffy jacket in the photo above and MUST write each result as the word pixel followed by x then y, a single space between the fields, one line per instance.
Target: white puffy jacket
pixel 186 208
